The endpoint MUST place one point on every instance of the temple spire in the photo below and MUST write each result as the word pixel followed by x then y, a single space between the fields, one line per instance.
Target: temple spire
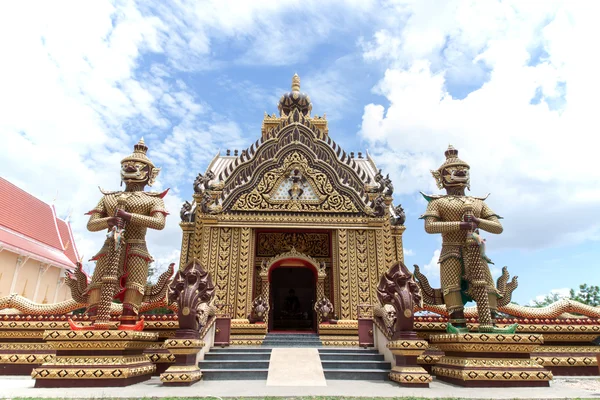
pixel 295 83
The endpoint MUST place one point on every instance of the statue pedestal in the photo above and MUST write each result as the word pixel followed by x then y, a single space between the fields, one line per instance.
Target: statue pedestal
pixel 222 331
pixel 185 372
pixel 97 358
pixel 490 360
pixel 407 371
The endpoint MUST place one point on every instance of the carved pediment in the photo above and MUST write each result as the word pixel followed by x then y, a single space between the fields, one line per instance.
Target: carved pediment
pixel 295 186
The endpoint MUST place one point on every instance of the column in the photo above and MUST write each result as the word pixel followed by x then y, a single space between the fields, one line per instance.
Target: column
pixel 59 285
pixel 42 270
pixel 21 260
pixel 397 232
pixel 264 288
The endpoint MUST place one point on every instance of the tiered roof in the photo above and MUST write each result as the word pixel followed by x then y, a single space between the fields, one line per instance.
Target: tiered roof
pixel 31 227
pixel 303 140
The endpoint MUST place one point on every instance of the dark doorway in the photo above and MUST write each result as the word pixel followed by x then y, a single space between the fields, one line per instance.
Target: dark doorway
pixel 293 298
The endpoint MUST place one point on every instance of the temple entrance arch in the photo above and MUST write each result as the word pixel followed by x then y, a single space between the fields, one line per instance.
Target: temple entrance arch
pixel 291 283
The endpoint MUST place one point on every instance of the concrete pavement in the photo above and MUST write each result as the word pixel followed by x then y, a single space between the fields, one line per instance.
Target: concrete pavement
pixel 568 387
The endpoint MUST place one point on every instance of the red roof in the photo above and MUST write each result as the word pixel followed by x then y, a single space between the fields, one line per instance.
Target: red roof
pixel 31 225
pixel 64 228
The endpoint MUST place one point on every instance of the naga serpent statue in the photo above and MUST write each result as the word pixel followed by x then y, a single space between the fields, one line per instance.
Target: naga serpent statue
pixel 193 291
pixel 78 281
pixel 324 309
pixel 260 310
pixel 464 270
pixel 398 289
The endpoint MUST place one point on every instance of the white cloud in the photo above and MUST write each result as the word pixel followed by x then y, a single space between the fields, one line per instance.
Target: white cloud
pixel 270 32
pixel 538 160
pixel 77 92
pixel 409 252
pixel 560 293
pixel 432 269
pixel 74 100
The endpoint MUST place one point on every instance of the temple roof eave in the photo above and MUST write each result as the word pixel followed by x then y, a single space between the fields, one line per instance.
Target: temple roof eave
pixel 287 221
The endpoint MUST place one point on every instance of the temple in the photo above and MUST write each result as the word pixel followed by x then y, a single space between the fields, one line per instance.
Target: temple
pixel 37 249
pixel 290 243
pixel 293 218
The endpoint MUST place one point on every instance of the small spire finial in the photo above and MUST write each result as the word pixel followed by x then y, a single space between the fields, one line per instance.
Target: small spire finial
pixel 295 83
pixel 140 147
pixel 451 152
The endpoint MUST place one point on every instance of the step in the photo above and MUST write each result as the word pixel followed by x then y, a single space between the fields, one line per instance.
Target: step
pixel 291 342
pixel 356 365
pixel 234 374
pixel 233 364
pixel 293 334
pixel 329 350
pixel 295 345
pixel 214 350
pixel 351 357
pixel 357 374
pixel 225 356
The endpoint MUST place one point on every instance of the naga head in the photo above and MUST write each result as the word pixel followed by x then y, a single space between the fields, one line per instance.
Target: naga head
pixel 137 169
pixel 453 173
pixel 190 288
pixel 398 288
pixel 260 310
pixel 324 309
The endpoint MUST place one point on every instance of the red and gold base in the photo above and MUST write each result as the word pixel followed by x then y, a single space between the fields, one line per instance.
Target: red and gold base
pixel 490 360
pixel 96 359
pixel 406 371
pixel 185 372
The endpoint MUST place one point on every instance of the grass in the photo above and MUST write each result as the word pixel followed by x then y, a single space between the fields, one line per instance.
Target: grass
pixel 261 398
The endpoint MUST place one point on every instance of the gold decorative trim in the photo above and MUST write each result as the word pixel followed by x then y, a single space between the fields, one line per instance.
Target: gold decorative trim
pixel 25 358
pixel 566 349
pixel 34 325
pixel 181 374
pixel 100 335
pixel 411 378
pixel 493 375
pixel 487 338
pixel 428 359
pixel 25 346
pixel 99 360
pixel 489 362
pixel 24 334
pixel 566 361
pixel 95 373
pixel 295 221
pixel 159 358
pixel 246 342
pixel 408 347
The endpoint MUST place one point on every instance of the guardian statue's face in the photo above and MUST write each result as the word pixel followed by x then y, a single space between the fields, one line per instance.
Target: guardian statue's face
pixel 135 172
pixel 456 175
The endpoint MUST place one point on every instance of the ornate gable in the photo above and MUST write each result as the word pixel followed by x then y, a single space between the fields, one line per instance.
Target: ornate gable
pixel 294 168
pixel 296 186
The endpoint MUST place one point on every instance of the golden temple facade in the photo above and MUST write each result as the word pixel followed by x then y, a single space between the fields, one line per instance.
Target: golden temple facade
pixel 293 218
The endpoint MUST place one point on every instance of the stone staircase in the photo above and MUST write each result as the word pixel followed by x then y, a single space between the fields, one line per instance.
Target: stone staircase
pixel 252 363
pixel 354 364
pixel 292 340
pixel 235 363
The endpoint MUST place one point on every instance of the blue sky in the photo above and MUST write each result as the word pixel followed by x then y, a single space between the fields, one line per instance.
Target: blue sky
pixel 510 84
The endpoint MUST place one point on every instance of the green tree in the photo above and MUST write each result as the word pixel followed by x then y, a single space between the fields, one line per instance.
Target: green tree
pixel 151 273
pixel 589 295
pixel 549 299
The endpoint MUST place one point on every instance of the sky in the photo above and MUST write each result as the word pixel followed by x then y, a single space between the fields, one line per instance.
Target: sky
pixel 512 85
